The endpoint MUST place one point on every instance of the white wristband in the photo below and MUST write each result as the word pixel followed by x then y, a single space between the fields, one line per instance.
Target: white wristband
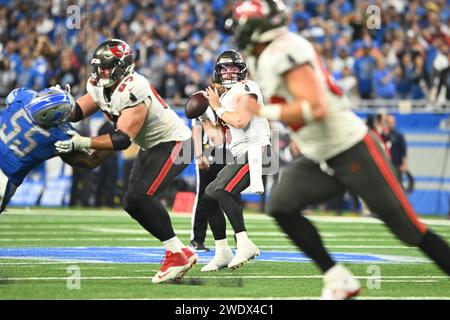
pixel 220 112
pixel 271 111
pixel 84 142
pixel 308 116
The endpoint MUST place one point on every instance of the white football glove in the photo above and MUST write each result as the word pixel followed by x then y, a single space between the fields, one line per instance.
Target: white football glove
pixel 77 142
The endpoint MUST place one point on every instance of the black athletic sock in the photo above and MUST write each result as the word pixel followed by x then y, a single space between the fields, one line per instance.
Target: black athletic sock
pixel 437 249
pixel 216 218
pixel 303 233
pixel 200 222
pixel 151 215
pixel 232 209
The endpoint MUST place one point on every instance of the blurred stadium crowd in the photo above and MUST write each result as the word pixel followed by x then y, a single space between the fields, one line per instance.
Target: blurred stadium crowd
pixel 43 43
pixel 176 43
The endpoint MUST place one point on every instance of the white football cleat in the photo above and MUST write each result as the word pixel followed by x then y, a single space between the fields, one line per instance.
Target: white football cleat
pixel 244 253
pixel 340 284
pixel 221 260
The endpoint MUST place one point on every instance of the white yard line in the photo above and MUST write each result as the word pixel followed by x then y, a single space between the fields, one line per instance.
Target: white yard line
pixel 6 264
pixel 94 230
pixel 252 233
pixel 81 239
pixel 342 247
pixel 149 238
pixel 248 216
pixel 300 298
pixel 262 276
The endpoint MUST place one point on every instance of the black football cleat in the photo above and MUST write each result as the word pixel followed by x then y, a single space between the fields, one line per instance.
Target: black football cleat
pixel 199 246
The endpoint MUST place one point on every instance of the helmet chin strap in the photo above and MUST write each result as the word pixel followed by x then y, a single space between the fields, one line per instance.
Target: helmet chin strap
pixel 109 82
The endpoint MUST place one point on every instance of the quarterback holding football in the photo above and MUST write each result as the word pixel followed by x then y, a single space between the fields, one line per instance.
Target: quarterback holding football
pixel 248 137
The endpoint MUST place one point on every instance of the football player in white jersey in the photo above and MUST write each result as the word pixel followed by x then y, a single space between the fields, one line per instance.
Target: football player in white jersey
pixel 141 116
pixel 338 151
pixel 248 137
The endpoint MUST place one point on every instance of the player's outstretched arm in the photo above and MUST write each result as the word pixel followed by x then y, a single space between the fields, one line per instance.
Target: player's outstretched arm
pixel 128 126
pixel 84 159
pixel 85 106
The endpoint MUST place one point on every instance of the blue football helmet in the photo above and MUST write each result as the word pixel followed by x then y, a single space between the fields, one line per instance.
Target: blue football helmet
pixel 51 107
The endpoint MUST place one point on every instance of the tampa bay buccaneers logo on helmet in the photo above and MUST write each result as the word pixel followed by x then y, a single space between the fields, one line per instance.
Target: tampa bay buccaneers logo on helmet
pixel 116 57
pixel 120 50
pixel 258 21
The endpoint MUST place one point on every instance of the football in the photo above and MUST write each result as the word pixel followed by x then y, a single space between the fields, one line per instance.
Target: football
pixel 196 105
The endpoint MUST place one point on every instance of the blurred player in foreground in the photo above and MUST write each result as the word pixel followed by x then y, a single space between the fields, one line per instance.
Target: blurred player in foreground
pixel 338 152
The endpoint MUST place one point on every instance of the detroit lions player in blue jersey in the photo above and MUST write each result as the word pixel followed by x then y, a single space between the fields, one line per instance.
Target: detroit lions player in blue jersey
pixel 29 127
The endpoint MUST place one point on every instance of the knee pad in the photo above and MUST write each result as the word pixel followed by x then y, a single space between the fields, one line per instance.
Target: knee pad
pixel 129 198
pixel 137 203
pixel 129 203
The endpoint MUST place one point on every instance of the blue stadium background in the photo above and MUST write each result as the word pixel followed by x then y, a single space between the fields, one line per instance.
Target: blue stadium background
pixel 428 141
pixel 400 65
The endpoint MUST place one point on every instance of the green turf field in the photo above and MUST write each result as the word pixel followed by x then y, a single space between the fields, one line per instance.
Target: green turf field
pixel 29 272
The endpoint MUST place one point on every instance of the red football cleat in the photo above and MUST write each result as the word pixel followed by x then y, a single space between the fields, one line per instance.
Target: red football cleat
pixel 175 265
pixel 191 255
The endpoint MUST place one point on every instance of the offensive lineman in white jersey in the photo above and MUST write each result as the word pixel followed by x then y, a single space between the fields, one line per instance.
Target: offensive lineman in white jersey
pixel 140 116
pixel 248 137
pixel 338 151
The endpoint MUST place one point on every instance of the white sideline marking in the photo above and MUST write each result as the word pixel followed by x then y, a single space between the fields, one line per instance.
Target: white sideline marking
pixel 298 298
pixel 95 230
pixel 262 276
pixel 334 234
pixel 76 239
pixel 342 247
pixel 252 233
pixel 248 216
pixel 33 263
pixel 149 238
pixel 116 230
